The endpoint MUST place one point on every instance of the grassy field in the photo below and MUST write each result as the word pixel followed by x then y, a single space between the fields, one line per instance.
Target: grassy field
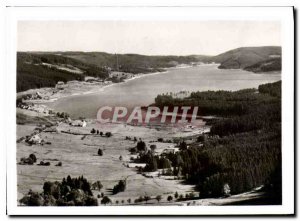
pixel 78 154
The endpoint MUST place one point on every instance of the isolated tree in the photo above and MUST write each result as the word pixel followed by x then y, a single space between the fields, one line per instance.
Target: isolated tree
pixel 117 202
pixel 100 152
pixel 129 201
pixel 97 185
pixel 93 131
pixel 33 157
pixel 158 198
pixel 176 195
pixel 105 200
pixel 101 133
pixel 59 164
pixel 97 131
pixel 153 147
pixel 141 199
pixel 120 187
pixel 122 201
pixel 108 134
pixel 141 146
pixel 170 198
pixel 146 198
pixel 180 196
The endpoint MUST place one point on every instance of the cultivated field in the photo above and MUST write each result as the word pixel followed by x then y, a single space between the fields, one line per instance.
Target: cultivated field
pixel 76 148
pixel 78 154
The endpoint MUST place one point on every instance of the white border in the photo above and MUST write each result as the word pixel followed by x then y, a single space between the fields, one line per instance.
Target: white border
pixel 283 14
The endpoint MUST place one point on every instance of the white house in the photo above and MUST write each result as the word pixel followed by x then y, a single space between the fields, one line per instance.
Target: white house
pixel 36 139
pixel 79 123
pixel 60 85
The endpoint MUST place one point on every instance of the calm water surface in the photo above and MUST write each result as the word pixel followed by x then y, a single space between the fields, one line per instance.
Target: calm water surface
pixel 142 91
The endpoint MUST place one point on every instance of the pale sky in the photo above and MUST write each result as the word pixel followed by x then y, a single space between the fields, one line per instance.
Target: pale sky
pixel 146 37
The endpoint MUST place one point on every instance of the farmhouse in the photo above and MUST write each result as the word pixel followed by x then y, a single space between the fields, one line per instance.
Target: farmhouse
pixel 60 85
pixel 35 139
pixel 170 150
pixel 78 123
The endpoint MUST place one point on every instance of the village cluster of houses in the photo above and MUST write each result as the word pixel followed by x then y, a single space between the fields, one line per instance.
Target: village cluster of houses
pixel 36 108
pixel 33 96
pixel 35 139
pixel 77 123
pixel 120 75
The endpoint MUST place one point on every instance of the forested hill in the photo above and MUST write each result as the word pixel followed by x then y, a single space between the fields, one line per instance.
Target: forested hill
pixel 251 58
pixel 133 63
pixel 243 148
pixel 37 70
pixel 45 69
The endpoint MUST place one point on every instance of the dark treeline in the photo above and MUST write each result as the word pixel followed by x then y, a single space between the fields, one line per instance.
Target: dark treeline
pixel 243 161
pixel 32 74
pixel 153 162
pixel 273 64
pixel 68 192
pixel 274 89
pixel 221 103
pixel 120 187
pixel 133 63
pixel 243 149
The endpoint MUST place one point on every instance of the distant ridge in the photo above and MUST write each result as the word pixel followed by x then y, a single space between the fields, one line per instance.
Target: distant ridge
pixel 45 69
pixel 243 57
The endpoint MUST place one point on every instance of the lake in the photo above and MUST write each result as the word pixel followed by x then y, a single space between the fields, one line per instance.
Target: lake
pixel 142 91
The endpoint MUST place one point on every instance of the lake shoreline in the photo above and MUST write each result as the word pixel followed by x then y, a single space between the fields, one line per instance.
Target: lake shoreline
pixel 93 89
pixel 85 98
pixel 76 147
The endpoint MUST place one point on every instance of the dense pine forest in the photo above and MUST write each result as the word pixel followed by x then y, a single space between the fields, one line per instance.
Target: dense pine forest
pixel 243 148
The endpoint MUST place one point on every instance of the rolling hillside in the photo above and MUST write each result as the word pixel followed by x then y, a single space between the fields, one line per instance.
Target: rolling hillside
pixel 133 63
pixel 45 69
pixel 37 70
pixel 241 58
pixel 273 64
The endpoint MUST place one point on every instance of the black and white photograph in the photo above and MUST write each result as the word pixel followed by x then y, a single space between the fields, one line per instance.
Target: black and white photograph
pixel 122 111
